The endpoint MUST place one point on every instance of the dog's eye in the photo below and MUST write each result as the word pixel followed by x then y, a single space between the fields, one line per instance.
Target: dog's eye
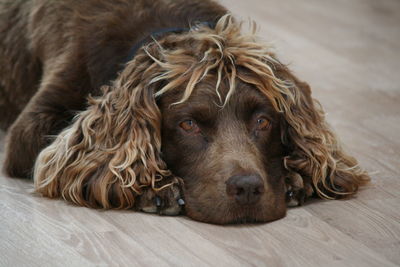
pixel 262 123
pixel 188 126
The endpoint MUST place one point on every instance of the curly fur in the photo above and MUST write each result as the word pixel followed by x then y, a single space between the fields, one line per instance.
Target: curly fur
pixel 112 149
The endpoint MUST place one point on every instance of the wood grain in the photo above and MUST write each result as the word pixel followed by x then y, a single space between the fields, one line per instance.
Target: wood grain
pixel 349 52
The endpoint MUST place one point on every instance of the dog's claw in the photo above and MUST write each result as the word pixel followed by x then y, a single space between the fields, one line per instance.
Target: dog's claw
pixel 181 202
pixel 290 200
pixel 158 201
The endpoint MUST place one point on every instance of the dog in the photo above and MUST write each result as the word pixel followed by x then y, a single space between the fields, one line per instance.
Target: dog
pixel 161 106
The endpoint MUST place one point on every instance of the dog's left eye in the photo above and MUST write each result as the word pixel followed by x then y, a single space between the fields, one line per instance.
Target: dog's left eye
pixel 262 123
pixel 189 126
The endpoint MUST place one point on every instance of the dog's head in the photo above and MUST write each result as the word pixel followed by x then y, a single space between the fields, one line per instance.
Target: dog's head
pixel 228 154
pixel 214 107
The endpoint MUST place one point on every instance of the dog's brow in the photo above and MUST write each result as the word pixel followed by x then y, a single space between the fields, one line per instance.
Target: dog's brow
pixel 255 101
pixel 200 111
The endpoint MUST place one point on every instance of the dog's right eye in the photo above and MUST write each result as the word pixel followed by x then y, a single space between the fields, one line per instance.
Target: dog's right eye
pixel 189 126
pixel 262 123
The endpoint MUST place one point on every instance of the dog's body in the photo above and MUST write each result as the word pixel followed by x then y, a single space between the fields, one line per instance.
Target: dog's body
pixel 239 132
pixel 66 50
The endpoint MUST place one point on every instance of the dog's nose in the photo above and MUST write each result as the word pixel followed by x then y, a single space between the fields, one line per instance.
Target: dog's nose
pixel 246 189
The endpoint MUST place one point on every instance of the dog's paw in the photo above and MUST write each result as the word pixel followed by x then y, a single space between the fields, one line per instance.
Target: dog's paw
pixel 166 201
pixel 296 190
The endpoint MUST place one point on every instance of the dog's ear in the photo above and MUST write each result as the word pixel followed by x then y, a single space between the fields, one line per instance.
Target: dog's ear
pixel 315 154
pixel 110 152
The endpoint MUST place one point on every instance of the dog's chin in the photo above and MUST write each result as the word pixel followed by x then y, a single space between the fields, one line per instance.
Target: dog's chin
pixel 234 214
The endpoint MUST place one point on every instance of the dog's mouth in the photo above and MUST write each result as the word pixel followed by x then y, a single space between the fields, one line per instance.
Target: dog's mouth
pixel 256 214
pixel 250 220
pixel 229 213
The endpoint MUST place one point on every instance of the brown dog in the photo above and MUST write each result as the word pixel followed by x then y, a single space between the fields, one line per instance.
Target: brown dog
pixel 199 111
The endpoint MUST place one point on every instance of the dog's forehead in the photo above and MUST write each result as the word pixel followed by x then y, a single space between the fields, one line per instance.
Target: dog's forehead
pixel 207 92
pixel 206 99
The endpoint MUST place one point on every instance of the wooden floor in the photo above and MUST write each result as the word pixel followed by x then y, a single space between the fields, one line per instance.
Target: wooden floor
pixel 349 51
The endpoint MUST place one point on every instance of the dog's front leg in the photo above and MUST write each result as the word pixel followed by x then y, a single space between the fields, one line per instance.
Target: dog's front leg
pixel 48 112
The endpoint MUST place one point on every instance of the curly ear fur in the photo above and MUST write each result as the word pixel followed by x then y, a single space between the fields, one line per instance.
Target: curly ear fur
pixel 315 152
pixel 112 149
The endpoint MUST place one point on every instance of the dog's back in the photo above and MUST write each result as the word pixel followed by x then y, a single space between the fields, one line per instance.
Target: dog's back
pixel 19 69
pixel 94 35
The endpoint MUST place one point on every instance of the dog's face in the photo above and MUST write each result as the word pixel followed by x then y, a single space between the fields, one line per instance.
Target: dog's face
pixel 230 157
